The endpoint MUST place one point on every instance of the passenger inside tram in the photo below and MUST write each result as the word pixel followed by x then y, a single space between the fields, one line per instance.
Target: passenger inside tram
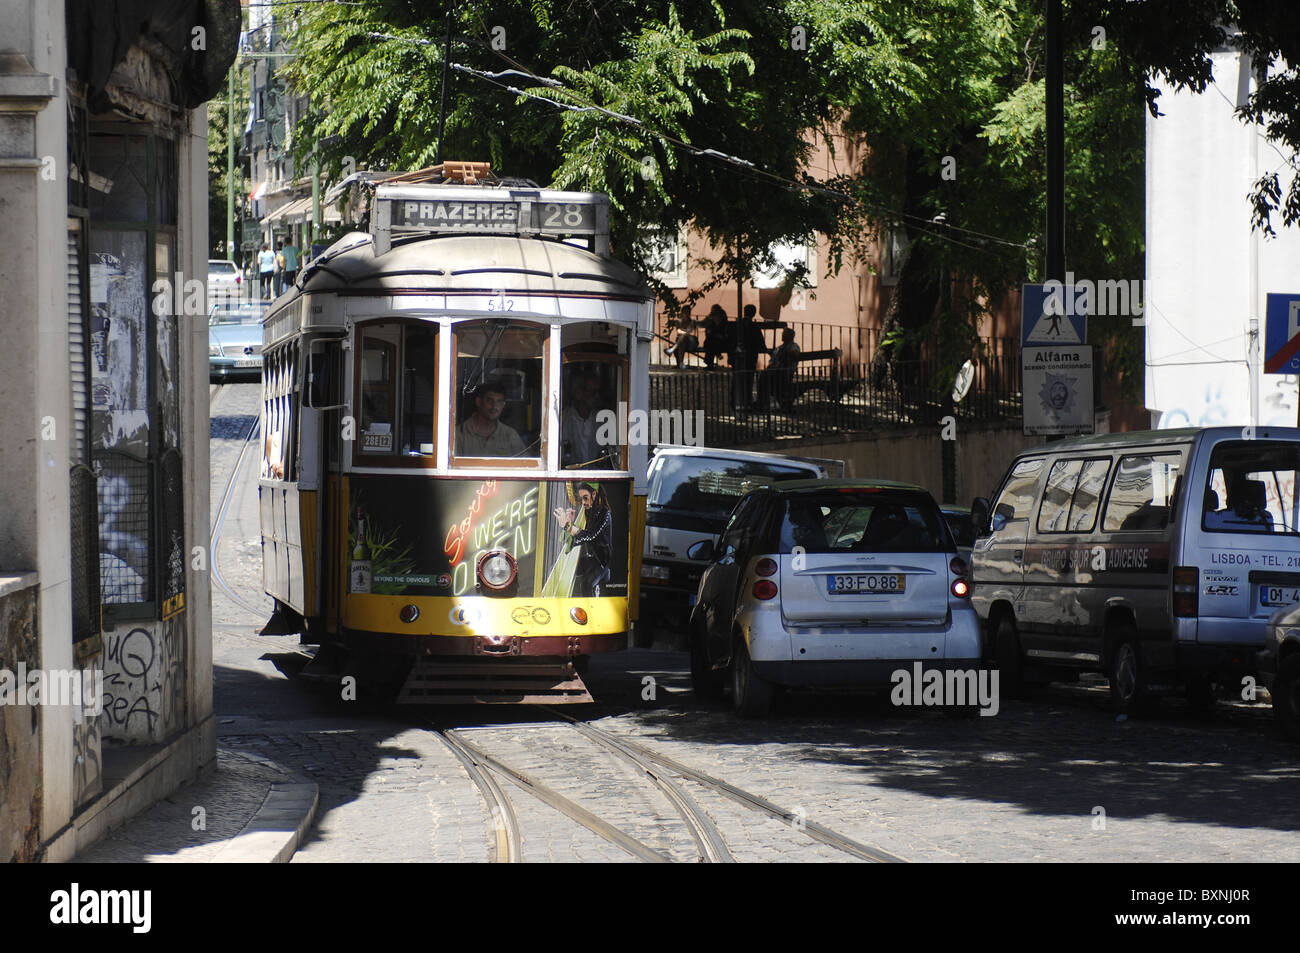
pixel 580 422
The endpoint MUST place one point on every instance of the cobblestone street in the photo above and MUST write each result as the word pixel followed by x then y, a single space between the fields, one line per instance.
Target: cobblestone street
pixel 1056 778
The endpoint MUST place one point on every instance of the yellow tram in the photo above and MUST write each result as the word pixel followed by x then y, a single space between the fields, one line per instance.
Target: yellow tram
pixel 449 501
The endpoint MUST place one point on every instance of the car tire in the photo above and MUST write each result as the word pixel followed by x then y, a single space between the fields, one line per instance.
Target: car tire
pixel 1006 655
pixel 751 694
pixel 1286 697
pixel 706 682
pixel 1127 673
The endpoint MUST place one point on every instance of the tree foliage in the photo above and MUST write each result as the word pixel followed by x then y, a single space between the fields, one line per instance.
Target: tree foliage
pixel 706 113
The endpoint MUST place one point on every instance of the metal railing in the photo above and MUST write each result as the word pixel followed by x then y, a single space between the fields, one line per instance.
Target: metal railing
pixel 824 396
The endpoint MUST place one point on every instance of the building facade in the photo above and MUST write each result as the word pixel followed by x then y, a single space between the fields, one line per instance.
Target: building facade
pixel 103 457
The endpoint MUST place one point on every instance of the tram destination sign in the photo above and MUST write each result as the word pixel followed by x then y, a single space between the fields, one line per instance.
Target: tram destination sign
pixel 414 209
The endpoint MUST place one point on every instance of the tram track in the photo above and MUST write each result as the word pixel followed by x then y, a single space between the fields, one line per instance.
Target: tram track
pixel 223 510
pixel 746 798
pixel 668 776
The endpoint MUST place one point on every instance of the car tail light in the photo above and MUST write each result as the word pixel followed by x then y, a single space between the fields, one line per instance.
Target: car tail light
pixel 497 569
pixel 1186 579
pixel 958 566
pixel 764 589
pixel 236 279
pixel 960 588
pixel 766 566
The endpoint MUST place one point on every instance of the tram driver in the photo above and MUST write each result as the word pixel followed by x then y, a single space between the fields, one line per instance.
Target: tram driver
pixel 482 434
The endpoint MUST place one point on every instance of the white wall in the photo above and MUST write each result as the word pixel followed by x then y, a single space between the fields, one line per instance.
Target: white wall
pixel 1207 273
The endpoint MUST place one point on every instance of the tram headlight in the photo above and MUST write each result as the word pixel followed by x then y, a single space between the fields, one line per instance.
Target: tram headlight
pixel 497 569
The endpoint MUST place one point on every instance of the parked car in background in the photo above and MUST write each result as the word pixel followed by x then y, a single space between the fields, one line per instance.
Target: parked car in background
pixel 223 280
pixel 235 341
pixel 1279 668
pixel 962 527
pixel 691 492
pixel 1155 557
pixel 829 584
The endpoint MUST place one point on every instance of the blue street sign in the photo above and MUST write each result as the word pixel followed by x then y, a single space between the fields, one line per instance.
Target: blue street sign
pixel 1282 334
pixel 1052 314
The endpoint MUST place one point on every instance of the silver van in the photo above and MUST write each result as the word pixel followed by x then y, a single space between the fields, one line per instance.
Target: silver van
pixel 1154 557
pixel 691 492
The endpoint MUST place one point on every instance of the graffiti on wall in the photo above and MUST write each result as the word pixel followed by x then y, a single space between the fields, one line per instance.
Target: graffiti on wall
pixel 144 680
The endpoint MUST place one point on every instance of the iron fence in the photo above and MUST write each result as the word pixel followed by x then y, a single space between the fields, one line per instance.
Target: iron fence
pixel 825 396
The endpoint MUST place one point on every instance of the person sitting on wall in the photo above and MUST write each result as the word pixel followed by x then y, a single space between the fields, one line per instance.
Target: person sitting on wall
pixel 686 342
pixel 778 377
pixel 717 335
pixel 482 434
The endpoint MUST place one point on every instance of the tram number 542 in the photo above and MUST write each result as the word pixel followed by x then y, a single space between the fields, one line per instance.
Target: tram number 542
pixel 501 303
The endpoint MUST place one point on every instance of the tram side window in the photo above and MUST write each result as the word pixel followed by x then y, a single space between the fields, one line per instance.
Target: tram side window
pixel 378 397
pixel 397 389
pixel 500 371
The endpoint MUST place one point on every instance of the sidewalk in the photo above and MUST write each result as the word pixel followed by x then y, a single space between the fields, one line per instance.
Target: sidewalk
pixel 250 810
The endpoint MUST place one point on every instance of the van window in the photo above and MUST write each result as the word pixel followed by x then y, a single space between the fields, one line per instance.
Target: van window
pixel 1017 497
pixel 1251 488
pixel 1087 496
pixel 1056 498
pixel 1143 492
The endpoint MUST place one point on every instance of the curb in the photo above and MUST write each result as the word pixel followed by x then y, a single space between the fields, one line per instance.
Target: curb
pixel 278 827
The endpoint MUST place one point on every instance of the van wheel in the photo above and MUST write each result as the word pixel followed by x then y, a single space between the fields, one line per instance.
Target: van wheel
pixel 1286 697
pixel 1127 673
pixel 751 694
pixel 705 681
pixel 1006 653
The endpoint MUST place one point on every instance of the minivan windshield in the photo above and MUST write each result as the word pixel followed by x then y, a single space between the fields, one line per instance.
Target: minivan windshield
pixel 1251 488
pixel 862 521
pixel 710 486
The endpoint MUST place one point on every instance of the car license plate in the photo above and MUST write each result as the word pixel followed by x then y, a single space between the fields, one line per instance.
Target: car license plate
pixel 869 584
pixel 1278 595
pixel 249 362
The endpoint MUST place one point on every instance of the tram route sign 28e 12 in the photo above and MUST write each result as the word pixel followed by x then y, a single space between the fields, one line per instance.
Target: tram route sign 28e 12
pixel 406 210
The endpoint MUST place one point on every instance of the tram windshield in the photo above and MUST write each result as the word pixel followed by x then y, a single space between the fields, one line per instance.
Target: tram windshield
pixel 500 369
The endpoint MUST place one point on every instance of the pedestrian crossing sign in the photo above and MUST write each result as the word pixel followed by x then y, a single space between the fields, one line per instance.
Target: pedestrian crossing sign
pixel 1052 313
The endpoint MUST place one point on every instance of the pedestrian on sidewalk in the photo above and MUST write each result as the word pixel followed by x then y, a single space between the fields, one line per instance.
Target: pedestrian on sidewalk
pixel 266 269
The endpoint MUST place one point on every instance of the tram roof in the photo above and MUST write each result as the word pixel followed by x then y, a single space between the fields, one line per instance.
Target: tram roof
pixel 451 263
